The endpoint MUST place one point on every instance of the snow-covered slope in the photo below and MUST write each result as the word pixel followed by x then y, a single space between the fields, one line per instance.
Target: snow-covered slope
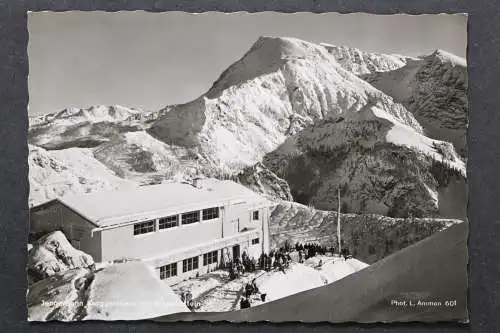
pixel 368 237
pixel 434 88
pixel 360 62
pixel 276 89
pixel 382 166
pixel 334 268
pixel 301 277
pixel 53 254
pixel 74 170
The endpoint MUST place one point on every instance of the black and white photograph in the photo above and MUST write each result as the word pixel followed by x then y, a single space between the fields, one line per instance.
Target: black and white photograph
pixel 247 167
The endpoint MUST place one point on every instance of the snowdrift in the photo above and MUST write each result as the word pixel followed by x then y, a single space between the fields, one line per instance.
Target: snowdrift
pixel 129 291
pixel 301 277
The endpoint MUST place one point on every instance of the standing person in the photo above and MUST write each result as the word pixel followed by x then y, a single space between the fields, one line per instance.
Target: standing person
pixel 280 265
pixel 189 296
pixel 244 303
pixel 248 290
pixel 254 287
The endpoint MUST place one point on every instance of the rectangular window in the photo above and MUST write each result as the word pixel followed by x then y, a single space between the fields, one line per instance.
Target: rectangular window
pixel 255 241
pixel 209 258
pixel 144 227
pixel 211 213
pixel 255 215
pixel 168 271
pixel 191 217
pixel 168 222
pixel 189 264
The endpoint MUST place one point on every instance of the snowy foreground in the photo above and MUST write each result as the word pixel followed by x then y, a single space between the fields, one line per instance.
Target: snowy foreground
pixel 120 291
pixel 132 291
pixel 214 292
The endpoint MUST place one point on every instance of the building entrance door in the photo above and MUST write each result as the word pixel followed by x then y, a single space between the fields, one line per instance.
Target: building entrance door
pixel 236 252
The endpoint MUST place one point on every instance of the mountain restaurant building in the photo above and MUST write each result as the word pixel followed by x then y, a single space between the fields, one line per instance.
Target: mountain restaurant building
pixel 180 229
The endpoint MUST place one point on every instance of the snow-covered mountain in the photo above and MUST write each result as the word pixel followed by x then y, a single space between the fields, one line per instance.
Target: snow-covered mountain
pixel 360 62
pixel 82 127
pixel 287 100
pixel 88 127
pixel 276 89
pixel 382 165
pixel 74 170
pixel 434 88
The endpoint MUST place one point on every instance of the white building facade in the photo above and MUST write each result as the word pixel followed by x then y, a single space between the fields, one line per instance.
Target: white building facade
pixel 180 229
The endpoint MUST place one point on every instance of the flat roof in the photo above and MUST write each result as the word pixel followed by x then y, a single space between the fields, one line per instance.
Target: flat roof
pixel 114 207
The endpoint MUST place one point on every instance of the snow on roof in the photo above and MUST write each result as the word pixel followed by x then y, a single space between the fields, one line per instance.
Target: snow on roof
pixel 107 208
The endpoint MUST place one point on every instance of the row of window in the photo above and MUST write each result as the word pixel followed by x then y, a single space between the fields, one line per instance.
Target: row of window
pixel 173 221
pixel 189 264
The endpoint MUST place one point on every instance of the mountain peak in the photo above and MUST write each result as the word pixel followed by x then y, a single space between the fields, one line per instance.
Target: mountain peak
pixel 445 56
pixel 266 56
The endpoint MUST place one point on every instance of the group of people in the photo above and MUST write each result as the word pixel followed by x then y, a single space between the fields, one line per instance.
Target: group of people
pixel 238 267
pixel 275 259
pixel 250 289
pixel 309 250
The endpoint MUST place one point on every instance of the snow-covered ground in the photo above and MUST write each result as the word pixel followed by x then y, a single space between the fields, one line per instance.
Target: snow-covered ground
pixel 215 292
pixel 114 291
pixel 57 297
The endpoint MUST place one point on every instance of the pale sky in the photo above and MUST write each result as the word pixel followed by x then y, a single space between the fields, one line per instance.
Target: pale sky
pixel 149 60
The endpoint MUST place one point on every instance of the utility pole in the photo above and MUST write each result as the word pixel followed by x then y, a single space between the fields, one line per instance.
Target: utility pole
pixel 338 221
